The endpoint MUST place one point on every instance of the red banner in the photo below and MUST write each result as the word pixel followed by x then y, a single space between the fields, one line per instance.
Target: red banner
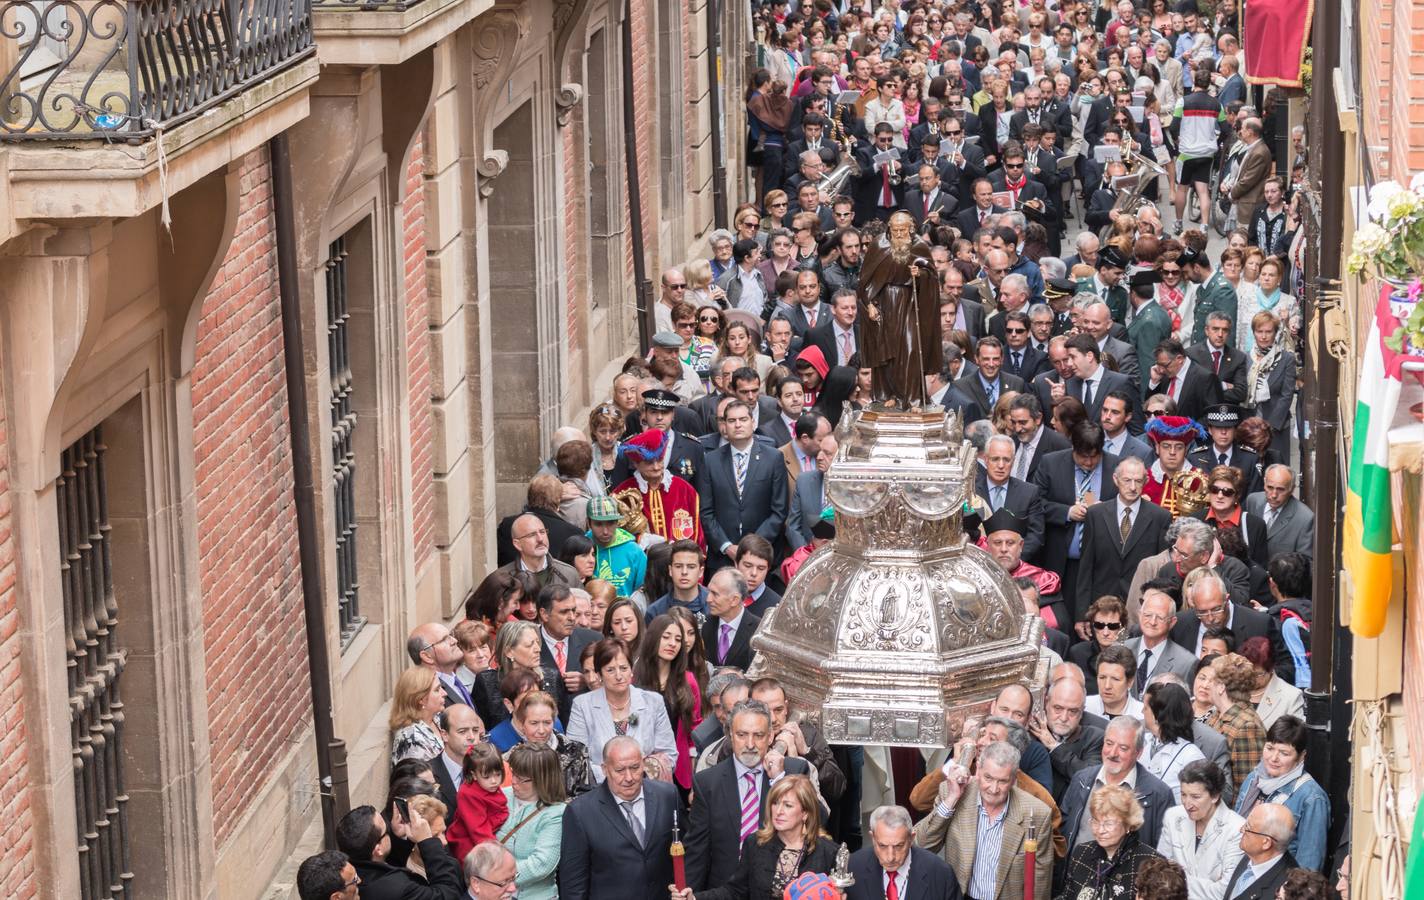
pixel 1274 35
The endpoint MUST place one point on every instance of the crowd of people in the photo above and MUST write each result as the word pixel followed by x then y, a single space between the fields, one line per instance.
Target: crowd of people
pixel 590 729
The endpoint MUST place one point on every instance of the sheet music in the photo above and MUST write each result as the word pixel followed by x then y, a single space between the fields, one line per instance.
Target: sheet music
pixel 1105 153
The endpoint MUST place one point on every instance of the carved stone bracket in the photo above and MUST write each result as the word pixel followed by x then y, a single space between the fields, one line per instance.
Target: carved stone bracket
pixel 566 98
pixel 490 168
pixel 496 42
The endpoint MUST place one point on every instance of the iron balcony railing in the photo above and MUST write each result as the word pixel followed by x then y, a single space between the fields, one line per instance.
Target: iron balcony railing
pixel 122 69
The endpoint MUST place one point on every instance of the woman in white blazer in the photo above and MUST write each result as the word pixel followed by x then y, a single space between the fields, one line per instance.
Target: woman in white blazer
pixel 618 708
pixel 1273 697
pixel 1202 813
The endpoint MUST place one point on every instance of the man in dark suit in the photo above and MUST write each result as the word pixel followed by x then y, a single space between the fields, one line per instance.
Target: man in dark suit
pixel 1020 358
pixel 970 218
pixel 1118 536
pixel 1060 369
pixel 967 160
pixel 1122 746
pixel 1034 438
pixel 1193 387
pixel 957 311
pixel 839 332
pixel 460 729
pixel 808 312
pixel 1073 743
pixel 917 874
pixel 745 489
pixel 755 557
pixel 362 834
pixel 1071 481
pixel 813 129
pixel 1208 606
pixel 985 385
pixel 1221 421
pixel 705 406
pixel 616 837
pixel 1216 353
pixel 1033 112
pixel 996 487
pixel 716 825
pixel 880 189
pixel 926 201
pixel 1154 649
pixel 1097 321
pixel 561 642
pixel 1092 381
pixel 1264 838
pixel 1029 196
pixel 727 634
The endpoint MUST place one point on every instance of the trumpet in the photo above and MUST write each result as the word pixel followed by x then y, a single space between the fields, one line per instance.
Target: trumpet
pixel 834 182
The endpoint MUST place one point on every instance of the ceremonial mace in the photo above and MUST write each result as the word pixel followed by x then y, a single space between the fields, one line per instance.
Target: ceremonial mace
pixel 676 851
pixel 1030 857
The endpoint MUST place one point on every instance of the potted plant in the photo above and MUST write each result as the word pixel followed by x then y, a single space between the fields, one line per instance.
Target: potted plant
pixel 1390 247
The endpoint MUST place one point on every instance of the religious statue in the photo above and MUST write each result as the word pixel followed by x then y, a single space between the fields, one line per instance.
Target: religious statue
pixel 899 315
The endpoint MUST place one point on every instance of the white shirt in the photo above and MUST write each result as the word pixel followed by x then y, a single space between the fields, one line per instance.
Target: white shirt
pixel 1094 382
pixel 553 644
pixel 1094 705
pixel 901 877
pixel 455 769
pixel 1113 445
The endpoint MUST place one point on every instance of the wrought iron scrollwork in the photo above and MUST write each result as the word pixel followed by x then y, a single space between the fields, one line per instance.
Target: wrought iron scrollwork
pixel 123 69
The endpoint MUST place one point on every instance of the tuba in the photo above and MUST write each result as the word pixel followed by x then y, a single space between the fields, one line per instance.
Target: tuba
pixel 833 183
pixel 1185 492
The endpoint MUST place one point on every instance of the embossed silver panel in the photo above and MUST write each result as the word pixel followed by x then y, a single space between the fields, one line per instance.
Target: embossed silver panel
pixel 899 629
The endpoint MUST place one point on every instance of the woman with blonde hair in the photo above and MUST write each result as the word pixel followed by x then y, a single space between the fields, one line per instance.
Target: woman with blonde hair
pixel 999 416
pixel 418 696
pixel 700 288
pixel 606 425
pixel 1107 865
pixel 790 842
pixel 516 648
pixel 1234 678
pixel 1267 296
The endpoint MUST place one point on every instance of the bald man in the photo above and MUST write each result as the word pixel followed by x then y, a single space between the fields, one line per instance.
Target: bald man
pixel 1264 838
pixel 433 646
pixel 1016 703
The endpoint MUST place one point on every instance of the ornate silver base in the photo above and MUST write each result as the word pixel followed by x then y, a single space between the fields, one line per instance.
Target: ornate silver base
pixel 899 629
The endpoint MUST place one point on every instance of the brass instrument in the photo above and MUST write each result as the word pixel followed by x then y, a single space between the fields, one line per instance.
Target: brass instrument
pixel 834 182
pixel 1143 170
pixel 1185 492
pixel 630 503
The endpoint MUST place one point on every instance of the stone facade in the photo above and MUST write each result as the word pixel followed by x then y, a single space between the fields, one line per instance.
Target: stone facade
pixel 461 166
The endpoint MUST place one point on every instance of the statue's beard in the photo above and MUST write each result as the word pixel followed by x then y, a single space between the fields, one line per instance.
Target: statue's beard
pixel 900 250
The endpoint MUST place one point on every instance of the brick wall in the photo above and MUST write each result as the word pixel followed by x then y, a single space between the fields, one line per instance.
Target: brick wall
pixel 17 864
pixel 645 101
pixel 247 536
pixel 422 434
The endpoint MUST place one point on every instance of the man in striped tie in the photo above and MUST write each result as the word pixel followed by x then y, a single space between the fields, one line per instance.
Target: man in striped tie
pixel 728 799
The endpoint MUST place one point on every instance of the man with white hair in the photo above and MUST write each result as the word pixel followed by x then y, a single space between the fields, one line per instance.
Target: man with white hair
pixel 978 822
pixel 1087 245
pixel 1123 741
pixel 1264 838
pixel 490 871
pixel 1014 293
pixel 1000 490
pixel 892 866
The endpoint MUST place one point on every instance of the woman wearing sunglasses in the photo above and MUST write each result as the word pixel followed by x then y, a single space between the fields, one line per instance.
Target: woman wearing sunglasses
pixel 1224 511
pixel 1106 618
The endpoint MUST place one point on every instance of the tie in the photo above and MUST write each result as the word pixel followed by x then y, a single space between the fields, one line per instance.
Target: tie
pixel 993 392
pixel 463 692
pixel 983 214
pixel 892 889
pixel 724 642
pixel 1247 877
pixel 1087 395
pixel 1021 465
pixel 1018 361
pixel 1172 388
pixel 1126 528
pixel 739 466
pixel 927 204
pixel 811 317
pixel 998 494
pixel 847 351
pixel 560 656
pixel 633 822
pixel 1221 459
pixel 1270 515
pixel 1142 671
pixel 1216 361
pixel 1075 546
pixel 751 804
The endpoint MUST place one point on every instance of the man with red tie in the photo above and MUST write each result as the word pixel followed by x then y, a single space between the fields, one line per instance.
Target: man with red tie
pixel 561 642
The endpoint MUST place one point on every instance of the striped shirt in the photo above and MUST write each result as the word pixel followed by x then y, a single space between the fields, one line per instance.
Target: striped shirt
pixel 988 844
pixel 1198 134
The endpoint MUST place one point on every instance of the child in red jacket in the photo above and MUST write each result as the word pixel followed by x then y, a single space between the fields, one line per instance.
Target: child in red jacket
pixel 481 806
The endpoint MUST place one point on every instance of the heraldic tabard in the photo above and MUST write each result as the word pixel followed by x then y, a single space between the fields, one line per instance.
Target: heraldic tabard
pixel 899 629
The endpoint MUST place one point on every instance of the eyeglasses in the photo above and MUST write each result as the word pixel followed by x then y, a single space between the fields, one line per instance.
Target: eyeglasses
pixel 1107 626
pixel 953 133
pixel 677 286
pixel 682 325
pixel 526 536
pixel 1214 611
pixel 355 882
pixel 713 319
pixel 501 886
pixel 1008 330
pixel 1258 833
pixel 779 203
pixel 1009 165
pixel 1221 491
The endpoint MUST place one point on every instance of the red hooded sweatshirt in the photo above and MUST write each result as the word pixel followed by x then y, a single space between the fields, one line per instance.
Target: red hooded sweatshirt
pixel 818 362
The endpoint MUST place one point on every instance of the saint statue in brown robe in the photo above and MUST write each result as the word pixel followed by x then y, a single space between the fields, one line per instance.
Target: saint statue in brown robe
pixel 899 315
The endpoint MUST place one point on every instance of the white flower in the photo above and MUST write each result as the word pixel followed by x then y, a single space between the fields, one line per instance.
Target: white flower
pixel 1416 184
pixel 1380 197
pixel 1370 239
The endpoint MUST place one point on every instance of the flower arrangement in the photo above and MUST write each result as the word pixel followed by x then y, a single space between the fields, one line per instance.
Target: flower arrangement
pixel 1390 247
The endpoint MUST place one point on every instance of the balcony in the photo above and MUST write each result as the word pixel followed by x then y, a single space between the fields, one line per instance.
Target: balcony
pixel 386 32
pixel 106 106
